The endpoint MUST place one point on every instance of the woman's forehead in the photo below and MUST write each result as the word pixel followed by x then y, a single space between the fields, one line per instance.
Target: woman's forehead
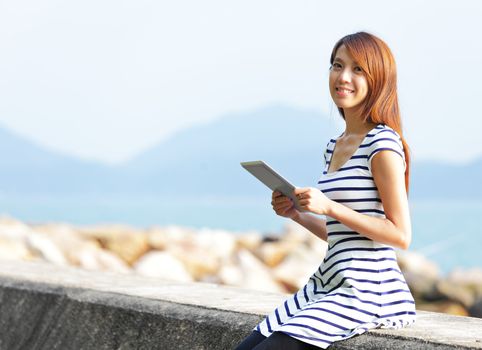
pixel 343 55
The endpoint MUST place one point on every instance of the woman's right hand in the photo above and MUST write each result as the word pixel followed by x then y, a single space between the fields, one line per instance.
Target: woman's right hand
pixel 283 205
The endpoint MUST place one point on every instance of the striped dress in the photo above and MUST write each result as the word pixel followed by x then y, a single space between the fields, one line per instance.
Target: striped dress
pixel 359 285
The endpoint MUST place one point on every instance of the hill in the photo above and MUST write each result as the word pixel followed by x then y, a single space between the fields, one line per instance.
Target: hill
pixel 203 160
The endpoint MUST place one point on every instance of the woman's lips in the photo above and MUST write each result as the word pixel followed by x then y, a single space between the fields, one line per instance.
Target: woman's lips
pixel 343 92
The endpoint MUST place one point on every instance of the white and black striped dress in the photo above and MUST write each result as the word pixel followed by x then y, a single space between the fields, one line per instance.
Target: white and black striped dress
pixel 359 285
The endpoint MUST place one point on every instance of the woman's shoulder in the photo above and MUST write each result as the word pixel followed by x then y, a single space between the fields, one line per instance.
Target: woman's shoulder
pixel 383 130
pixel 384 138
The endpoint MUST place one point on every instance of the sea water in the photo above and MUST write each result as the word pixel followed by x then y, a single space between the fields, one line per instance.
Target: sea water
pixel 448 232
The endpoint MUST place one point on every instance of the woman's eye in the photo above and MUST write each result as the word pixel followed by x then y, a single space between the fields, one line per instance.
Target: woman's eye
pixel 336 65
pixel 358 69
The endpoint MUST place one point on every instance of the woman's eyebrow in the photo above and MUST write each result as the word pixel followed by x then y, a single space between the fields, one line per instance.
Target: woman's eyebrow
pixel 340 60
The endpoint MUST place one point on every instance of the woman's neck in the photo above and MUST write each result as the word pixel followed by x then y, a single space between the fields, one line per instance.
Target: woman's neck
pixel 356 126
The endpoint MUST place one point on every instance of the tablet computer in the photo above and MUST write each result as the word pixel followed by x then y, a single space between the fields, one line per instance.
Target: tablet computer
pixel 267 175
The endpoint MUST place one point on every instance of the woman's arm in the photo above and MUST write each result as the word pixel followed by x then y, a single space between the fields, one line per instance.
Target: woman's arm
pixel 284 206
pixel 315 225
pixel 395 229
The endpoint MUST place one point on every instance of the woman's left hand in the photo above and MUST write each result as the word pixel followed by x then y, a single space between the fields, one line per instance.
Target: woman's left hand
pixel 313 200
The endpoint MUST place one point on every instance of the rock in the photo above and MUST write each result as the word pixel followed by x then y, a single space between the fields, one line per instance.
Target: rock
pixel 129 244
pixel 160 238
pixel 420 273
pixel 455 292
pixel 219 243
pixel 162 265
pixel 318 247
pixel 67 239
pixel 255 275
pixel 81 251
pixel 249 241
pixel 94 258
pixel 12 229
pixel 273 253
pixel 230 273
pixel 475 309
pixel 295 233
pixel 43 247
pixel 198 262
pixel 201 253
pixel 270 238
pixel 14 250
pixel 470 279
pixel 296 269
pixel 448 307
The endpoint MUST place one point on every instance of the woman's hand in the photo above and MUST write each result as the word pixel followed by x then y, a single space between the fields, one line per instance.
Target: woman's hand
pixel 313 200
pixel 283 206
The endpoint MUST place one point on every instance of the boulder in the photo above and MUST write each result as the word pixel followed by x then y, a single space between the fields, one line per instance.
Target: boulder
pixel 447 307
pixel 249 241
pixel 92 257
pixel 162 265
pixel 43 247
pixel 273 253
pixel 198 262
pixel 14 250
pixel 256 275
pixel 219 243
pixel 420 273
pixel 231 274
pixel 12 229
pixel 128 243
pixel 475 309
pixel 469 279
pixel 296 269
pixel 455 292
pixel 159 238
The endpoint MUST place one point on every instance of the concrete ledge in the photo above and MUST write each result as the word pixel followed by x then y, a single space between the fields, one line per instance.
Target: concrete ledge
pixel 44 306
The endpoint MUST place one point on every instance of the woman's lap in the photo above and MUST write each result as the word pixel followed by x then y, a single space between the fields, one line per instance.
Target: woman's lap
pixel 276 341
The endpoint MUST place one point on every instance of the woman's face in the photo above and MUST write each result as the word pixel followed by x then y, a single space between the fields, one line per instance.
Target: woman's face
pixel 348 84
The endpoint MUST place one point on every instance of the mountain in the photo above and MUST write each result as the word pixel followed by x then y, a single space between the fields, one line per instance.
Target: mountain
pixel 203 160
pixel 441 180
pixel 26 167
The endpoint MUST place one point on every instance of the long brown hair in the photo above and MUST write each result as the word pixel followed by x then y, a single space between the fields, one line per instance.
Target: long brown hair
pixel 381 104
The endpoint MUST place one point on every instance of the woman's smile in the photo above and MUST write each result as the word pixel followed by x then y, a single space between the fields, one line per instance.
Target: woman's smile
pixel 343 92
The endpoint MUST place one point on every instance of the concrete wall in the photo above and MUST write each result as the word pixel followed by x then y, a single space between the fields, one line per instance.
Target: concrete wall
pixel 44 306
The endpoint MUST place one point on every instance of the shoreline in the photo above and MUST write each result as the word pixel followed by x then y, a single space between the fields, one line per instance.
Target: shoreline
pixel 270 261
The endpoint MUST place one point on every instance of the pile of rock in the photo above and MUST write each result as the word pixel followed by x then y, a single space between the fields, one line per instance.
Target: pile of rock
pixel 277 262
pixel 458 293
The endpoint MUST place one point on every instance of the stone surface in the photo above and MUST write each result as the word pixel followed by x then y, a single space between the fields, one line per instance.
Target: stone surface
pixel 274 261
pixel 45 306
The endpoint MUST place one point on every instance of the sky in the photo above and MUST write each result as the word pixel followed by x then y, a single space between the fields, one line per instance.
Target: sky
pixel 105 80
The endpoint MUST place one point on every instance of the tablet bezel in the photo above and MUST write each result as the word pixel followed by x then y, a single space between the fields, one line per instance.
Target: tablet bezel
pixel 286 188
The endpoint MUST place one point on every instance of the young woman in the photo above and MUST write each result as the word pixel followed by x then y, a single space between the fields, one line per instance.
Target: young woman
pixel 363 195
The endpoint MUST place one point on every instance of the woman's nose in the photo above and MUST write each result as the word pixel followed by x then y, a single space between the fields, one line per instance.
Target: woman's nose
pixel 345 76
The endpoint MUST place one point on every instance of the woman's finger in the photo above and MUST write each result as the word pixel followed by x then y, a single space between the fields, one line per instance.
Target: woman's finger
pixel 285 209
pixel 284 205
pixel 301 190
pixel 281 200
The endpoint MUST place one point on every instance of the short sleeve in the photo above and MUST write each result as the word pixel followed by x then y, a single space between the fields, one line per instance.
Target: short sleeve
pixel 385 140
